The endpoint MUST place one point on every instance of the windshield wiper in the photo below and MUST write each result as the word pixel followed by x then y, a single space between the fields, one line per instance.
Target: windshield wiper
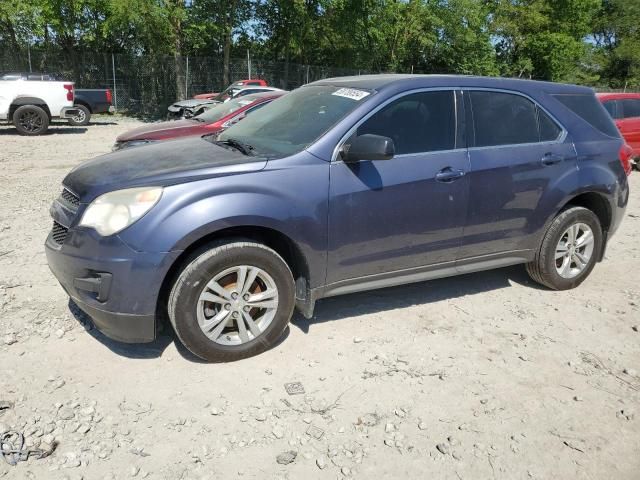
pixel 242 147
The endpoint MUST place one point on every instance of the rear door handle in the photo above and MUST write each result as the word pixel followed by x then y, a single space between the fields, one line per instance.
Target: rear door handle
pixel 448 174
pixel 551 159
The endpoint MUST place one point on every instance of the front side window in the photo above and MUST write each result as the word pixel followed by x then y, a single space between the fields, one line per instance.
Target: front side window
pixel 631 108
pixel 503 119
pixel 419 122
pixel 294 121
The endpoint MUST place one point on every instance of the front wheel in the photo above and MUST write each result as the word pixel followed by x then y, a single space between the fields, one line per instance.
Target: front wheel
pixel 232 301
pixel 569 251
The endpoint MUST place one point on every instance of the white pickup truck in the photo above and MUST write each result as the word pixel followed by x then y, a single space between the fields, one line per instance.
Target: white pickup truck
pixel 31 105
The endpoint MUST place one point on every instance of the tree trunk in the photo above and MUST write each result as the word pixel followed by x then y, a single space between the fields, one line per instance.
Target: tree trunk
pixel 176 24
pixel 226 58
pixel 228 38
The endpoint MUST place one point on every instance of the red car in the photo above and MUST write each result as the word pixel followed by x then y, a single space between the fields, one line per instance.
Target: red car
pixel 214 120
pixel 625 110
pixel 255 82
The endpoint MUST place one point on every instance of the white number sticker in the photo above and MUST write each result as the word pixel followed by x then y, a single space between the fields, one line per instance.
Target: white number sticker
pixel 351 93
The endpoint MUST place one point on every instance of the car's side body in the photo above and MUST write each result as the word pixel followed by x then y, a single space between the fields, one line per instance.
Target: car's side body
pixel 192 126
pixel 192 107
pixel 625 110
pixel 55 97
pixel 97 100
pixel 240 83
pixel 345 227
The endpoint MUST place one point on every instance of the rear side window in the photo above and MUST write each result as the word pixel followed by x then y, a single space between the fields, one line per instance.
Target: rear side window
pixel 591 111
pixel 630 108
pixel 503 119
pixel 419 122
pixel 549 130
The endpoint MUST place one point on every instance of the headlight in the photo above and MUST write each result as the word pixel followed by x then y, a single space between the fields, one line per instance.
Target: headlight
pixel 114 211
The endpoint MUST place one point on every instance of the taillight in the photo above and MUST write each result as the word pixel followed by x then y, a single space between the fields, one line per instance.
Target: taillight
pixel 69 88
pixel 626 154
pixel 109 97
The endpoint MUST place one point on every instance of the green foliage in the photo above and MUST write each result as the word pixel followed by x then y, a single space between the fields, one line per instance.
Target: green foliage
pixel 582 41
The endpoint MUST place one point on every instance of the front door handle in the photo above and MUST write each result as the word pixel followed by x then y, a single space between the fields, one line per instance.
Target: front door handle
pixel 448 174
pixel 551 159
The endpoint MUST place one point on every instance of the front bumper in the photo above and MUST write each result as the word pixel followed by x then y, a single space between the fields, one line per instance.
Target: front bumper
pixel 69 112
pixel 113 284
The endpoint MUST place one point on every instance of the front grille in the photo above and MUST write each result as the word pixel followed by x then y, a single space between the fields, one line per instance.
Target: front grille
pixel 59 233
pixel 70 198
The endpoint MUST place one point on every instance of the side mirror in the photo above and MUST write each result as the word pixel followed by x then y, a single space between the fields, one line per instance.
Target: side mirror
pixel 368 147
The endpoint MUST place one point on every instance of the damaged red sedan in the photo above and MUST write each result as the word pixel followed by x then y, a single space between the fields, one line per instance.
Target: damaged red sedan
pixel 214 120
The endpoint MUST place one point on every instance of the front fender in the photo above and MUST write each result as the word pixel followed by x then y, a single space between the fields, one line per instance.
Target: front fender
pixel 289 196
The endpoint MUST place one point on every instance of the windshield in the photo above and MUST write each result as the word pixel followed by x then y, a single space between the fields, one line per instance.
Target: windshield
pixel 294 121
pixel 223 109
pixel 228 93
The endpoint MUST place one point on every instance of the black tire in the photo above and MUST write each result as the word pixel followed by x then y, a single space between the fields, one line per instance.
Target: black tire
pixel 199 270
pixel 543 268
pixel 30 120
pixel 83 117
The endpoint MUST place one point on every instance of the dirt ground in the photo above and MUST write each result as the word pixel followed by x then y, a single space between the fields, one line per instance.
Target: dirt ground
pixel 482 376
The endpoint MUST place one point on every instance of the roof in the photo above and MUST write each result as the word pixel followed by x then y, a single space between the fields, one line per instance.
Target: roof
pixel 384 81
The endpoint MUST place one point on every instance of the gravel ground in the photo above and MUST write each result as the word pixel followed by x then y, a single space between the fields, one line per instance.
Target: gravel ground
pixel 479 376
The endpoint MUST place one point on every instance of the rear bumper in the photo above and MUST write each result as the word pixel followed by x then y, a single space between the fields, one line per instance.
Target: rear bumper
pixel 113 284
pixel 68 112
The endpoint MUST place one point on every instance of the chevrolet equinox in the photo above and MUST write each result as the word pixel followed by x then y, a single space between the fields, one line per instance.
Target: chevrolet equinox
pixel 343 185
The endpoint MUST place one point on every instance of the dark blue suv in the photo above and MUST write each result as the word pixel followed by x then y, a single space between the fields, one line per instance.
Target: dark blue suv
pixel 343 185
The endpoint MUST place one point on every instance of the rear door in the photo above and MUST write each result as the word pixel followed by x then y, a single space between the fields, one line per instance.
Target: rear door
pixel 516 150
pixel 407 212
pixel 629 123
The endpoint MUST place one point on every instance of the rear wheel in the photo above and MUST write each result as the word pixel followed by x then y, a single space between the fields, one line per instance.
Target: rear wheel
pixel 82 118
pixel 232 301
pixel 569 250
pixel 30 120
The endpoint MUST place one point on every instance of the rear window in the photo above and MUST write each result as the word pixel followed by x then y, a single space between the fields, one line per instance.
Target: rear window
pixel 591 111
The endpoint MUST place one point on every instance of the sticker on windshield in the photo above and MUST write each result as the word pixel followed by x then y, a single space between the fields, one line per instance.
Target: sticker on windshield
pixel 351 93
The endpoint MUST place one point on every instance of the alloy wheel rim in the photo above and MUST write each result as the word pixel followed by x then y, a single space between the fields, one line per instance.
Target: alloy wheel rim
pixel 574 250
pixel 30 121
pixel 237 305
pixel 79 118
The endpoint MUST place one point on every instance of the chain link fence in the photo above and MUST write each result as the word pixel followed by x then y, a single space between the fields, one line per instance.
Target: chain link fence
pixel 146 85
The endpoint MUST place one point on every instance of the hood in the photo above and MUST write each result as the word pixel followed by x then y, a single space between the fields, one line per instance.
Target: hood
pixel 159 164
pixel 163 130
pixel 206 96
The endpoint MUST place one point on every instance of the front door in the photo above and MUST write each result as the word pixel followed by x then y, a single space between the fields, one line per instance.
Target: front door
pixel 407 212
